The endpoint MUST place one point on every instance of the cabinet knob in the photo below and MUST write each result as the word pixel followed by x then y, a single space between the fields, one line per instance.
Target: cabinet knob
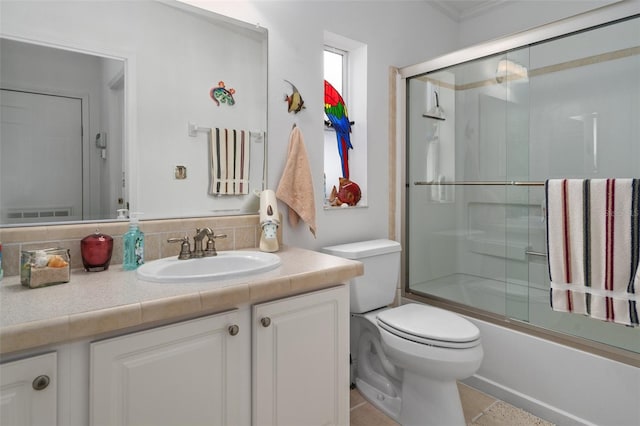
pixel 234 329
pixel 41 382
pixel 265 321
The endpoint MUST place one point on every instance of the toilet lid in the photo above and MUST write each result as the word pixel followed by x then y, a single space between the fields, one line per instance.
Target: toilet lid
pixel 429 325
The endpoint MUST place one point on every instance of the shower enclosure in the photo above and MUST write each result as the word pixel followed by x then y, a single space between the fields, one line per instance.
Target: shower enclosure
pixel 482 136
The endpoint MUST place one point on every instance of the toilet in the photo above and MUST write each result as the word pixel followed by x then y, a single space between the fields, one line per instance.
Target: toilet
pixel 405 359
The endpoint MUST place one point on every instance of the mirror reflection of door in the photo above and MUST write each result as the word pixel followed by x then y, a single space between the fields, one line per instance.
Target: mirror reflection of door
pixel 40 157
pixel 38 83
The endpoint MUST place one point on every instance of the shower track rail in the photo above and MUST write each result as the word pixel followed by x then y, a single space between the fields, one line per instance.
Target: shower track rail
pixel 482 183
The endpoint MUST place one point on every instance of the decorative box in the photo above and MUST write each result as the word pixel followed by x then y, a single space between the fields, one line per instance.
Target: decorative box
pixel 39 268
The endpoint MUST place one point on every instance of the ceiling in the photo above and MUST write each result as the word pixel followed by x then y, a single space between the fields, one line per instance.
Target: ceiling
pixel 460 10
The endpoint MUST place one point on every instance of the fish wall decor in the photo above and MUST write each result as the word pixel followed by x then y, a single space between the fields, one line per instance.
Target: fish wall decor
pixel 294 100
pixel 348 194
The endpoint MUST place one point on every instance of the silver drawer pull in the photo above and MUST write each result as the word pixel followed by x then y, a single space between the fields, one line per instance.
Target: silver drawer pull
pixel 41 382
pixel 234 329
pixel 265 321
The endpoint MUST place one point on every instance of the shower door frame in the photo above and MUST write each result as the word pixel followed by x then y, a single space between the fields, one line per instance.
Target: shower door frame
pixel 398 138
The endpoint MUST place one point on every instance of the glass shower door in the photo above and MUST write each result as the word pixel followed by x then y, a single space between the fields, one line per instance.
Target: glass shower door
pixel 456 169
pixel 482 138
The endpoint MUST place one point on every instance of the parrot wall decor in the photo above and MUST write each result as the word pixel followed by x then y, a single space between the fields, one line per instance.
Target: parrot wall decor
pixel 337 114
pixel 348 192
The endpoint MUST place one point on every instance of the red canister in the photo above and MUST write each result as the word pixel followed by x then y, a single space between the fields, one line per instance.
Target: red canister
pixel 96 250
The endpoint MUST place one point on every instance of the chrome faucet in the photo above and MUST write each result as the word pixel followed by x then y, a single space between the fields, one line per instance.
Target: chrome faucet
pixel 198 251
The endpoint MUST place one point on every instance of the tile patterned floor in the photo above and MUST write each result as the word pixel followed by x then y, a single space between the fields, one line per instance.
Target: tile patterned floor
pixel 479 410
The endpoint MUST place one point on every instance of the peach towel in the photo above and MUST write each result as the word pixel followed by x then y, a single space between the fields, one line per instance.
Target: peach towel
pixel 296 186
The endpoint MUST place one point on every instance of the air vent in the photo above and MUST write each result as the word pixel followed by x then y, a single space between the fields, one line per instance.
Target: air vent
pixel 29 214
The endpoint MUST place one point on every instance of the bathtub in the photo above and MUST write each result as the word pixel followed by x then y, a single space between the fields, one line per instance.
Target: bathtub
pixel 562 384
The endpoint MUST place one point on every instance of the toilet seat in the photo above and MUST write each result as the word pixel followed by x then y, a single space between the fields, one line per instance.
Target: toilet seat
pixel 429 325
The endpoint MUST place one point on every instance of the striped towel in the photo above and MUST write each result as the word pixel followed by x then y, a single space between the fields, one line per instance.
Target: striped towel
pixel 593 239
pixel 229 161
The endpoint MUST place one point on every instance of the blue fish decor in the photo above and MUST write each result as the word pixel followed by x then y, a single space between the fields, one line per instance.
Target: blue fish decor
pixel 223 95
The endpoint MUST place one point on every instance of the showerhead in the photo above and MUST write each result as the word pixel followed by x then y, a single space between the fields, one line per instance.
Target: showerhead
pixel 436 112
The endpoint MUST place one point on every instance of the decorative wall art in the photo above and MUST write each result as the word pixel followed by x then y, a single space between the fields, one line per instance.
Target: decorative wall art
pixel 349 192
pixel 223 95
pixel 294 100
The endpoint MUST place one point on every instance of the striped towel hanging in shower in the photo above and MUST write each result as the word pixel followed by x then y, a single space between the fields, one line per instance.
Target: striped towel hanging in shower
pixel 593 240
pixel 229 161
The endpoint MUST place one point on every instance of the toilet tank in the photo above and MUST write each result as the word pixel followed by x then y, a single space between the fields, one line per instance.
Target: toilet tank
pixel 377 287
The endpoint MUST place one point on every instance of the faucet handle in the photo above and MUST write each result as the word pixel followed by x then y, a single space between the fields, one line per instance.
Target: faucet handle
pixel 211 248
pixel 211 244
pixel 185 248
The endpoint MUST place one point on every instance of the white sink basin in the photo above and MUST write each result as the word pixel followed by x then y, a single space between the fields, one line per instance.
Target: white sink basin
pixel 226 265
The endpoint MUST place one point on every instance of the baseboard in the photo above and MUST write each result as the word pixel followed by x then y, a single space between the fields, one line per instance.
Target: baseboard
pixel 525 402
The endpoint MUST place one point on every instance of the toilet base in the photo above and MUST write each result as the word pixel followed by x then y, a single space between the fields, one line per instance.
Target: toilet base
pixel 423 402
pixel 428 402
pixel 389 405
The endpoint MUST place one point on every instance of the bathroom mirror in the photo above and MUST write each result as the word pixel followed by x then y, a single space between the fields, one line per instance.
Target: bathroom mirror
pixel 146 110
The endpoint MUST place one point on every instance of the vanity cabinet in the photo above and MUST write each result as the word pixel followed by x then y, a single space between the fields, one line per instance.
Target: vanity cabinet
pixel 282 362
pixel 28 391
pixel 193 372
pixel 300 357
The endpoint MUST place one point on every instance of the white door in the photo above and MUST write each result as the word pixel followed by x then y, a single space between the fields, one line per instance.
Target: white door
pixel 40 157
pixel 190 373
pixel 301 360
pixel 28 395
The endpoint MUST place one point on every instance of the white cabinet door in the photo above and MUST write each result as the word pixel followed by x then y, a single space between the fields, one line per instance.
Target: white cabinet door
pixel 28 393
pixel 301 360
pixel 190 373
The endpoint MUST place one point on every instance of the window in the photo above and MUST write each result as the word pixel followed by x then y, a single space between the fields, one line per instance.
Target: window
pixel 335 74
pixel 344 59
pixel 335 68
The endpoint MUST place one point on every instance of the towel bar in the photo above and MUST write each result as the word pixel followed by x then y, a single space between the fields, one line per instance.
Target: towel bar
pixel 193 129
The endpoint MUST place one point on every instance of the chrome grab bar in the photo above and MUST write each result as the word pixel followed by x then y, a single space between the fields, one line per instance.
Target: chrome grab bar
pixel 482 183
pixel 535 253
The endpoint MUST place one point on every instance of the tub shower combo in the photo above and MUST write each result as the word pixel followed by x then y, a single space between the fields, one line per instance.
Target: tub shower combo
pixel 482 137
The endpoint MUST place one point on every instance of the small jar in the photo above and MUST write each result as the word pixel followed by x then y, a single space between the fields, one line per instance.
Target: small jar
pixel 96 250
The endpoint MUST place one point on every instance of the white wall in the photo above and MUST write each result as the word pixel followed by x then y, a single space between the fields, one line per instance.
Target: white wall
pixel 396 33
pixel 516 16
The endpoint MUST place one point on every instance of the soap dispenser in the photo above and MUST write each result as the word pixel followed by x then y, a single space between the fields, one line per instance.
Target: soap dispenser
pixel 133 244
pixel 269 221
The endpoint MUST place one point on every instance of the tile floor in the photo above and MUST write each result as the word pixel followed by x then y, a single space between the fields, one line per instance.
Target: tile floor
pixel 479 408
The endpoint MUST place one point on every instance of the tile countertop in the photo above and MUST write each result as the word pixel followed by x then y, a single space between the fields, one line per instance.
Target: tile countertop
pixel 95 303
